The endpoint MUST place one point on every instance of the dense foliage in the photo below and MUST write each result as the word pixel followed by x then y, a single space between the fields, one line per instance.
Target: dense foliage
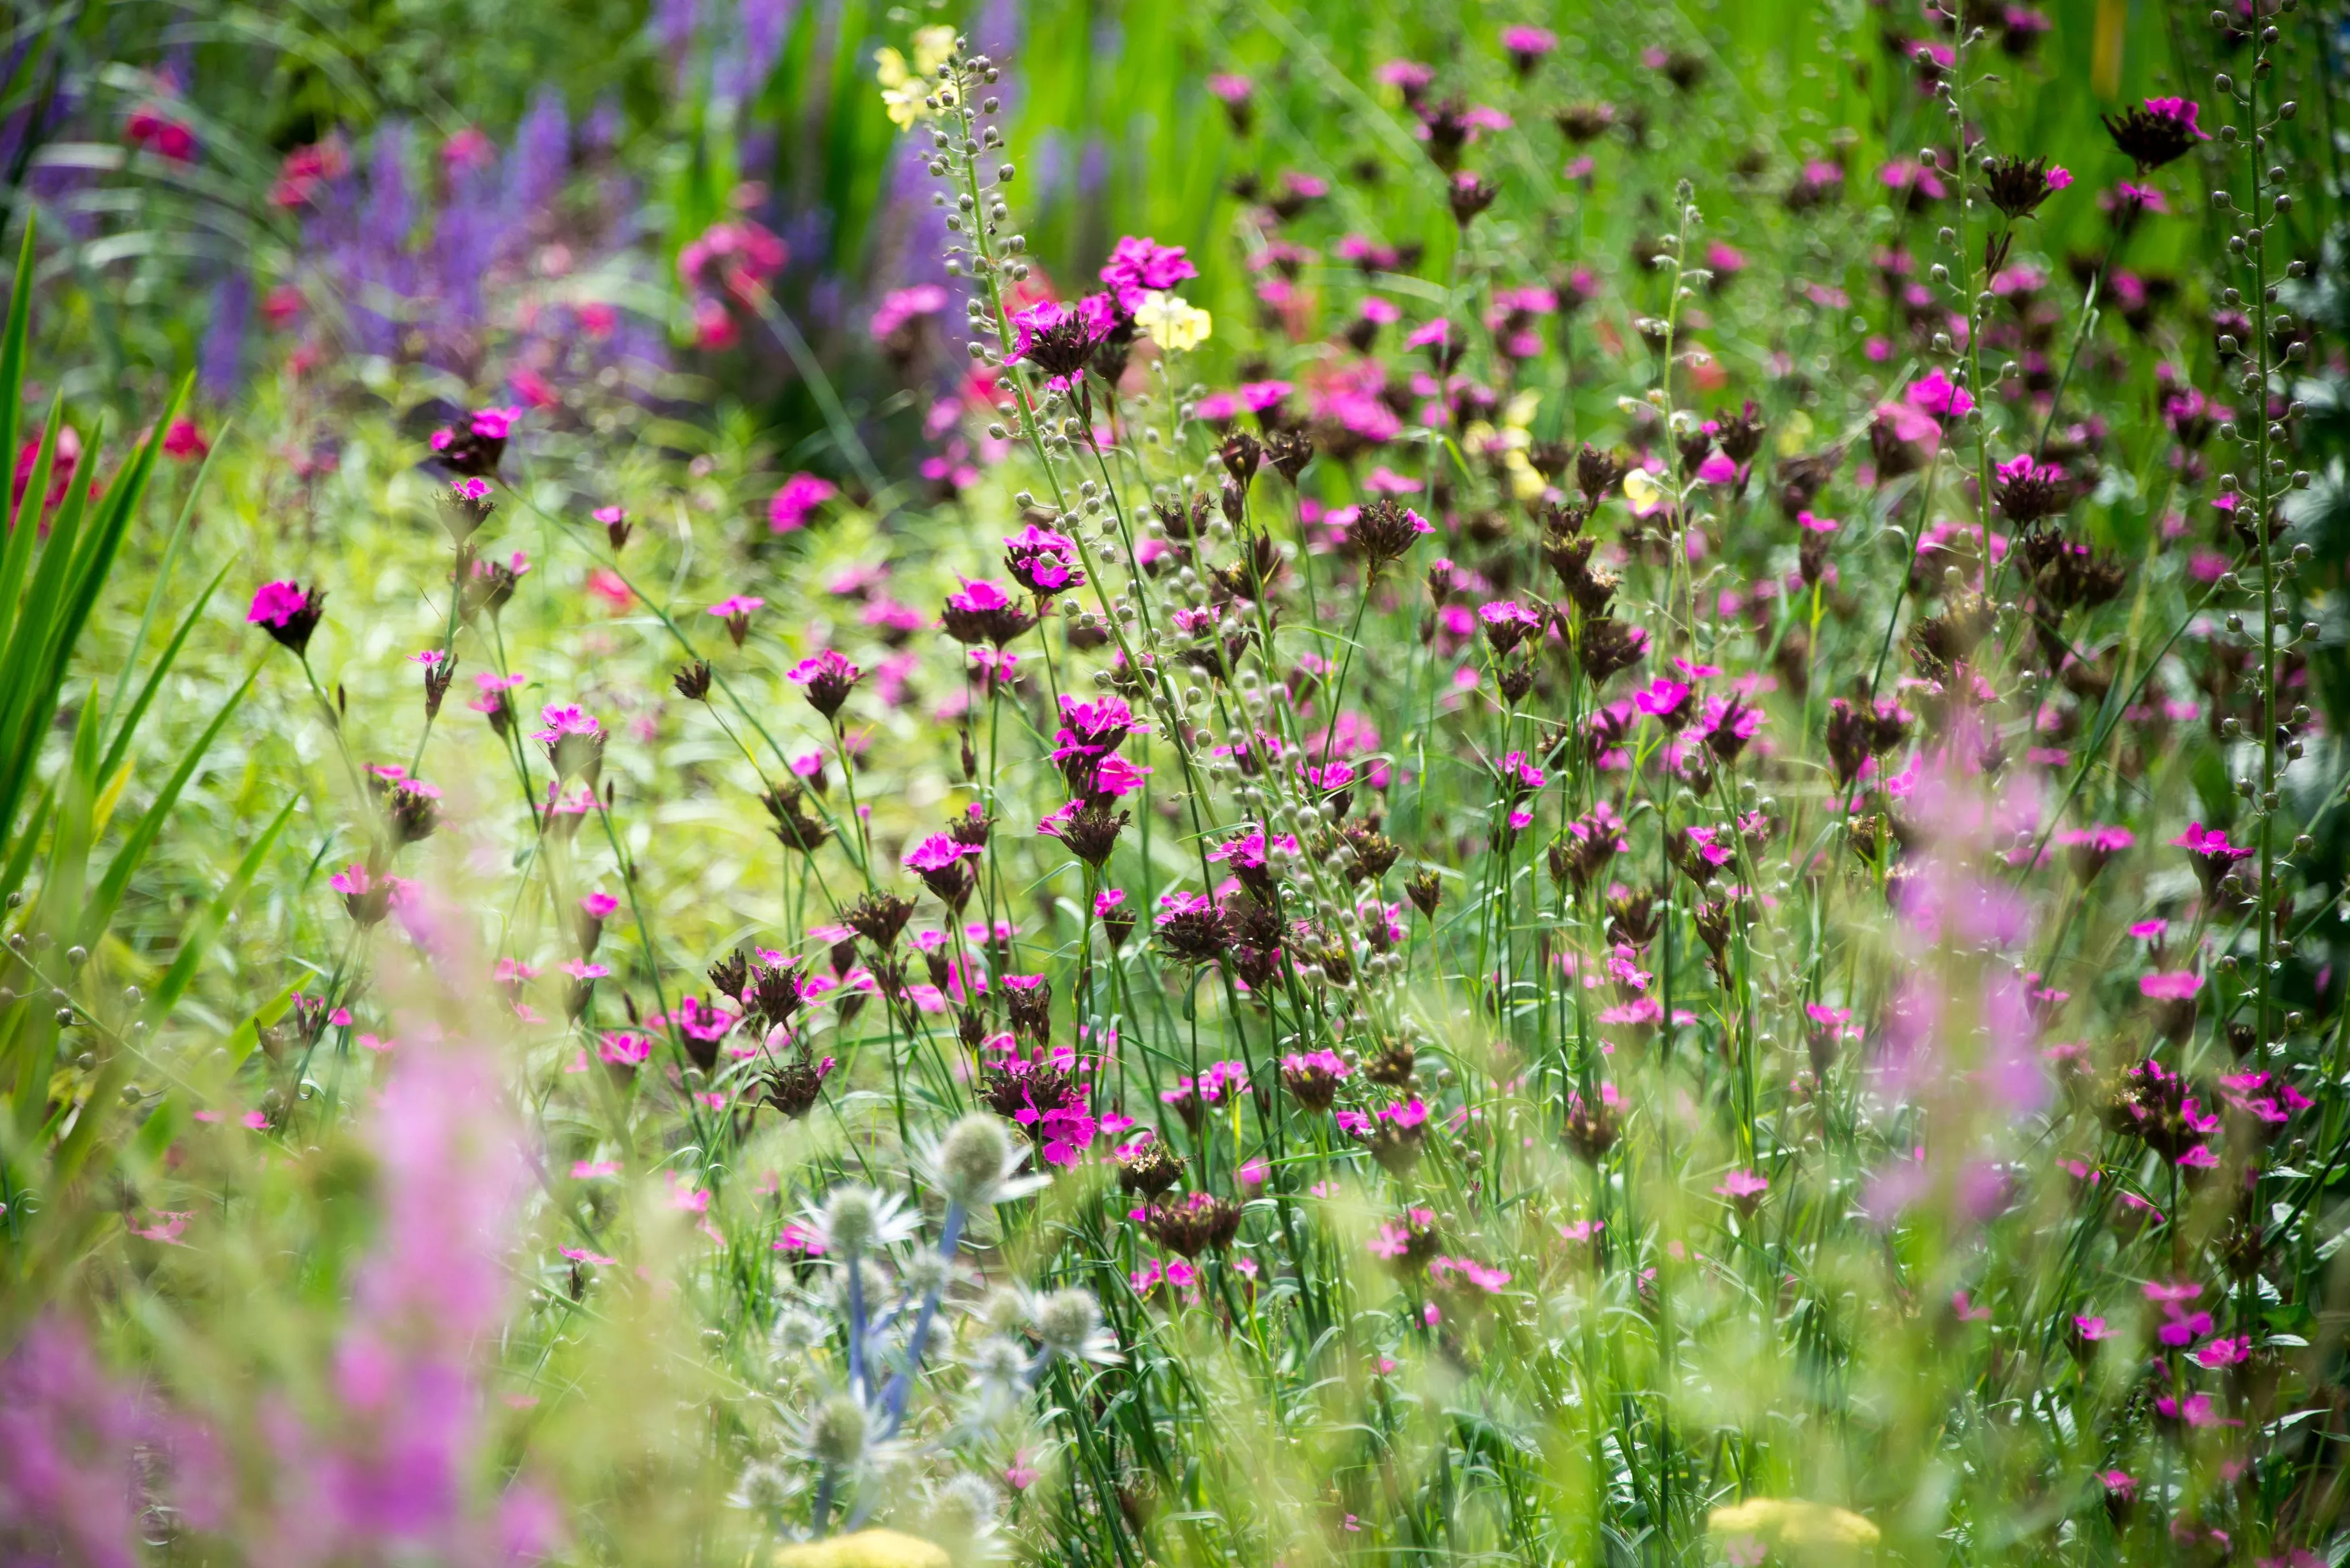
pixel 1273 787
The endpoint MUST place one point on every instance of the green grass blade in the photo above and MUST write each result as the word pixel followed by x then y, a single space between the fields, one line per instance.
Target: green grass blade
pixel 12 343
pixel 24 530
pixel 119 871
pixel 200 933
pixel 29 839
pixel 129 725
pixel 162 581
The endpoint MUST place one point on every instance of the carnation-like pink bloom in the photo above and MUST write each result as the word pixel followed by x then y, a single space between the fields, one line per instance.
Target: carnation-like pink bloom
pixel 794 499
pixel 276 603
pixel 938 852
pixel 1137 265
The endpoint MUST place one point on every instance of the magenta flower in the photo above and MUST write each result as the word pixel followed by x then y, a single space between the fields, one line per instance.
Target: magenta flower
pixel 736 612
pixel 2161 130
pixel 288 612
pixel 1507 623
pixel 1666 701
pixel 794 499
pixel 1043 561
pixel 2213 855
pixel 1743 1188
pixel 1527 45
pixel 2178 986
pixel 572 741
pixel 981 612
pixel 1058 339
pixel 902 306
pixel 1139 265
pixel 1936 394
pixel 827 677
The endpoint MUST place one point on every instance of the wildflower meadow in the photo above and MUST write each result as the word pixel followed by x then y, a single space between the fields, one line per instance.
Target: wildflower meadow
pixel 1278 783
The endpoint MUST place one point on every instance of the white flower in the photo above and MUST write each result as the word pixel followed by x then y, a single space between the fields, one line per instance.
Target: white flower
pixel 1070 1322
pixel 857 1219
pixel 977 1163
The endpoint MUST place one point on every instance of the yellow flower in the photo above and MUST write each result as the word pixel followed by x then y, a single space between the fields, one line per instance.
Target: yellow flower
pixel 865 1549
pixel 905 88
pixel 1173 324
pixel 1791 1521
pixel 1641 489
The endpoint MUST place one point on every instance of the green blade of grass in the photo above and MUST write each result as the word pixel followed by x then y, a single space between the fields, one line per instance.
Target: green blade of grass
pixel 119 871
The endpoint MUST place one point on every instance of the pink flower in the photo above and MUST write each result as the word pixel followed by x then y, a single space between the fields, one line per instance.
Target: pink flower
pixel 276 603
pixel 788 508
pixel 1139 265
pixel 2173 987
pixel 184 442
pixel 901 306
pixel 600 906
pixel 1742 1186
pixel 1936 394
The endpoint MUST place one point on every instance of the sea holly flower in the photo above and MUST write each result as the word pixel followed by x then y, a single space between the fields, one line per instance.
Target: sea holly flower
pixel 288 612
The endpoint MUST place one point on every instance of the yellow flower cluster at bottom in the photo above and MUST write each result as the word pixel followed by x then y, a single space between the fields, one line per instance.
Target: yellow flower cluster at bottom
pixel 865 1549
pixel 1792 1522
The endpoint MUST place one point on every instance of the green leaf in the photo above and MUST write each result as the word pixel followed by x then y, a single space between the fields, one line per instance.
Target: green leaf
pixel 119 871
pixel 198 937
pixel 130 722
pixel 12 343
pixel 247 1036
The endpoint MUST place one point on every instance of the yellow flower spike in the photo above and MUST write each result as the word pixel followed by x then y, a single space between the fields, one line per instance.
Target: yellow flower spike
pixel 865 1549
pixel 1794 1523
pixel 1171 324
